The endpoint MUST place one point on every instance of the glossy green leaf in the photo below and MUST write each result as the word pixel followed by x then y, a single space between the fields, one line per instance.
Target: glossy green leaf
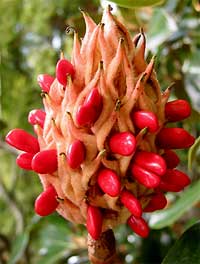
pixel 167 217
pixel 187 248
pixel 136 3
pixel 192 153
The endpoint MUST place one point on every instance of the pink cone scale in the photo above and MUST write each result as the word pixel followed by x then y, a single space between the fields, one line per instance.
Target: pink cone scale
pixel 131 203
pixel 45 161
pixel 144 119
pixel 94 221
pixel 63 69
pixel 139 226
pixel 22 140
pixel 37 117
pixel 45 81
pixel 109 182
pixel 177 110
pixel 24 160
pixel 46 203
pixel 75 154
pixel 123 143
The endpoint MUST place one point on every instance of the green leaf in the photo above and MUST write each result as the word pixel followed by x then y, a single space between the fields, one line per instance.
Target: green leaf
pixel 136 3
pixel 167 217
pixel 192 153
pixel 186 249
pixel 18 247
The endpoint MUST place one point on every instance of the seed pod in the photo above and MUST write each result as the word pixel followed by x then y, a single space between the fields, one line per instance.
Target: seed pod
pixel 123 143
pixel 171 158
pixel 24 160
pixel 45 81
pixel 45 161
pixel 86 115
pixel 177 110
pixel 94 221
pixel 63 69
pixel 75 154
pixel 37 117
pixel 138 225
pixel 94 99
pixel 22 140
pixel 158 201
pixel 151 161
pixel 109 182
pixel 144 119
pixel 46 203
pixel 174 138
pixel 145 177
pixel 131 203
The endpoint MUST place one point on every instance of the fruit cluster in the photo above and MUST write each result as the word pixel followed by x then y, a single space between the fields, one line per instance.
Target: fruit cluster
pixel 103 150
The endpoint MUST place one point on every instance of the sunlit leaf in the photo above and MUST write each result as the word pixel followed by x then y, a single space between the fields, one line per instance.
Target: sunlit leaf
pixel 192 153
pixel 136 3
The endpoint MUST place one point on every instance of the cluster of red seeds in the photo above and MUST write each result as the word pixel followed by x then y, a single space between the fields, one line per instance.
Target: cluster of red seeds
pixel 155 172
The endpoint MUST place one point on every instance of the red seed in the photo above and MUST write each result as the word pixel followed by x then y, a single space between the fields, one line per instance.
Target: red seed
pixel 22 140
pixel 45 161
pixel 37 117
pixel 45 81
pixel 94 221
pixel 151 161
pixel 145 177
pixel 94 99
pixel 86 115
pixel 139 226
pixel 158 201
pixel 76 154
pixel 174 138
pixel 24 160
pixel 177 110
pixel 171 158
pixel 144 119
pixel 63 69
pixel 131 203
pixel 109 182
pixel 46 203
pixel 123 143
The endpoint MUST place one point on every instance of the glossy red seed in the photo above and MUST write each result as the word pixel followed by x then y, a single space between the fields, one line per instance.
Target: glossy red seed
pixel 45 81
pixel 131 203
pixel 63 69
pixel 94 99
pixel 174 138
pixel 158 201
pixel 86 115
pixel 109 182
pixel 177 110
pixel 75 154
pixel 171 158
pixel 24 160
pixel 151 161
pixel 123 143
pixel 37 117
pixel 45 161
pixel 46 203
pixel 145 177
pixel 144 119
pixel 22 140
pixel 139 226
pixel 94 221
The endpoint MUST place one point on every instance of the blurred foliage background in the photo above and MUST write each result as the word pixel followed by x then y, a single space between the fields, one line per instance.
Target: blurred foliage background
pixel 32 34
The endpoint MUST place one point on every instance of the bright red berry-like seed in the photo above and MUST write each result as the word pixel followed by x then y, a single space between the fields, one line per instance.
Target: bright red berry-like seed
pixel 45 161
pixel 22 140
pixel 177 110
pixel 63 69
pixel 94 221
pixel 158 201
pixel 86 115
pixel 144 119
pixel 138 225
pixel 94 99
pixel 37 117
pixel 46 203
pixel 171 158
pixel 151 161
pixel 76 154
pixel 45 81
pixel 109 182
pixel 145 177
pixel 24 160
pixel 131 203
pixel 174 138
pixel 123 143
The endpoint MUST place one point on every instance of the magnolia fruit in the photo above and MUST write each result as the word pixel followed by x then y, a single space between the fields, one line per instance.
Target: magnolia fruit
pixel 102 149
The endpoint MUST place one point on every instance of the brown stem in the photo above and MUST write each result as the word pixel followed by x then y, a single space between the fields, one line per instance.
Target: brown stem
pixel 103 250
